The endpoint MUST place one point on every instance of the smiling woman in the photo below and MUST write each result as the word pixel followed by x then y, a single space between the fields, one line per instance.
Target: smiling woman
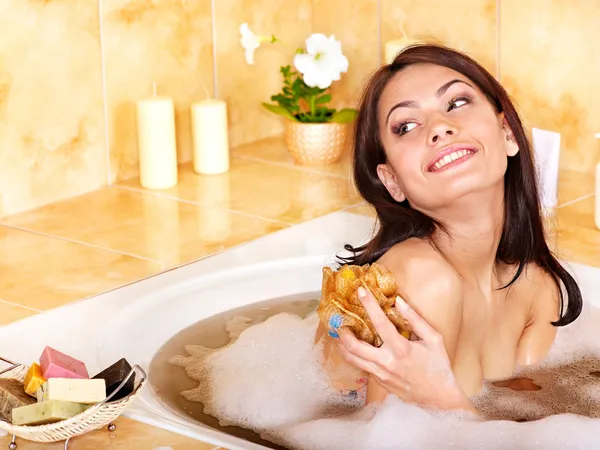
pixel 442 155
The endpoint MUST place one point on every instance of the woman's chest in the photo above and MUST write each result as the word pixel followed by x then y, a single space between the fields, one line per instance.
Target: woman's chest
pixel 488 338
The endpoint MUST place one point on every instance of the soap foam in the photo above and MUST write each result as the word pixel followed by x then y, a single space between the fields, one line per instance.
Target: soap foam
pixel 269 379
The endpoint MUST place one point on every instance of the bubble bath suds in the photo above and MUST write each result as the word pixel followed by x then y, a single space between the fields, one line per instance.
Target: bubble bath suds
pixel 269 379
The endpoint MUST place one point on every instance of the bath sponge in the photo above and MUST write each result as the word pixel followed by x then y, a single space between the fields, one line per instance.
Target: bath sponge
pixel 340 306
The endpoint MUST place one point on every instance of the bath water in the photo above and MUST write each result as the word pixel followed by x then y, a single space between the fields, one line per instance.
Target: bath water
pixel 168 381
pixel 262 380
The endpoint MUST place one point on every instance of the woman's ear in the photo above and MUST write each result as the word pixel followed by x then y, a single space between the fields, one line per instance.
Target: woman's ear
pixel 512 148
pixel 389 180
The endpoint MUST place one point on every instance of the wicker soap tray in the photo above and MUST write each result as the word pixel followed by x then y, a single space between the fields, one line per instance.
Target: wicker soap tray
pixel 91 419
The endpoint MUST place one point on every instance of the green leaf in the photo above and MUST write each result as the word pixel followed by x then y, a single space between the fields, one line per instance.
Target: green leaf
pixel 344 115
pixel 323 99
pixel 279 110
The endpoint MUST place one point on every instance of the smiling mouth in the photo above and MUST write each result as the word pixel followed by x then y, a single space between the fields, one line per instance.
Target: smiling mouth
pixel 452 159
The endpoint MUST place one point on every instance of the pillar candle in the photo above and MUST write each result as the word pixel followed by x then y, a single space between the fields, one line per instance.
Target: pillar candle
pixel 156 142
pixel 395 46
pixel 209 133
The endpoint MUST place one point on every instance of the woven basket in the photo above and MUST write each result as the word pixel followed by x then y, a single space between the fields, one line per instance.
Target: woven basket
pixel 91 419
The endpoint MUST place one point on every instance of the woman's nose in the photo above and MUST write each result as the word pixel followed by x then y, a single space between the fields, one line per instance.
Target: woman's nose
pixel 441 131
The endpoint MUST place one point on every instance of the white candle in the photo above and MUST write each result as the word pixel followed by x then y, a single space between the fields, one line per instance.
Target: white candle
pixel 209 133
pixel 395 46
pixel 156 142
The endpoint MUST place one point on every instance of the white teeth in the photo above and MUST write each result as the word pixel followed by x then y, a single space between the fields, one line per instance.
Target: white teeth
pixel 449 158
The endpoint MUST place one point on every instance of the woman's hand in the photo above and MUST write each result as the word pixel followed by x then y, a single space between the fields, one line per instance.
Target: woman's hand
pixel 416 371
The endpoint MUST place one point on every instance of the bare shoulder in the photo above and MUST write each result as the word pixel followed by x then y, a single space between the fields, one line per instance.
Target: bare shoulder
pixel 539 287
pixel 420 269
pixel 429 284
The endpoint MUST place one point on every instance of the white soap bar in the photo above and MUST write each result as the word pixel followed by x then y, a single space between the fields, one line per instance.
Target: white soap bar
pixel 72 390
pixel 46 412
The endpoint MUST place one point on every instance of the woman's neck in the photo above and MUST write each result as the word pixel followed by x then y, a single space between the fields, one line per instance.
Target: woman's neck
pixel 473 229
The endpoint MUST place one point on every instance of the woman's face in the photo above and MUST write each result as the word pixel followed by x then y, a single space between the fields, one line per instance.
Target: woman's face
pixel 442 137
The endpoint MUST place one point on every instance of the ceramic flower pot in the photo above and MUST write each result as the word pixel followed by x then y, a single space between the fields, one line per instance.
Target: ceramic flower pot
pixel 314 144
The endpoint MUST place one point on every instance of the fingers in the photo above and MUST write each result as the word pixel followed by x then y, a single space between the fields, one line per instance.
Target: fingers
pixel 357 347
pixel 353 358
pixel 384 327
pixel 420 327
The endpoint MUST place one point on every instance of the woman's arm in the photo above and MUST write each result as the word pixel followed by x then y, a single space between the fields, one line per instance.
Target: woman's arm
pixel 455 399
pixel 430 287
pixel 342 376
pixel 434 293
pixel 417 371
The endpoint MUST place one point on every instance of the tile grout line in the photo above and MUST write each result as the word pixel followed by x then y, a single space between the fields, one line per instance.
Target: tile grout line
pixel 6 302
pixel 570 202
pixel 213 24
pixel 74 241
pixel 498 34
pixel 379 33
pixel 254 216
pixel 104 94
pixel 289 166
pixel 355 205
pixel 204 205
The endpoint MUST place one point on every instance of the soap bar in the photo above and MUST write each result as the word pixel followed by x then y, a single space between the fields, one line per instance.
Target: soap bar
pixel 46 412
pixel 34 379
pixel 72 390
pixel 114 376
pixel 12 395
pixel 58 365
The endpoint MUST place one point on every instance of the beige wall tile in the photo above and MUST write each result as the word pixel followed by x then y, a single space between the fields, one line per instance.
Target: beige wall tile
pixel 245 86
pixel 145 225
pixel 578 239
pixel 573 185
pixel 52 142
pixel 167 42
pixel 265 190
pixel 42 273
pixel 466 25
pixel 364 209
pixel 550 63
pixel 355 24
pixel 11 313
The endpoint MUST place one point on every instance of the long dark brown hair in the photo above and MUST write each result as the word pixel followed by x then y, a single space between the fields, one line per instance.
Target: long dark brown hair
pixel 522 240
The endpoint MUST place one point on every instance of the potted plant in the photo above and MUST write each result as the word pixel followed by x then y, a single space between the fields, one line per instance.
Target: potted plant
pixel 315 134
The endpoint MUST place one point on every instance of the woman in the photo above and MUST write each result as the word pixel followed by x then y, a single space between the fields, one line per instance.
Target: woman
pixel 443 157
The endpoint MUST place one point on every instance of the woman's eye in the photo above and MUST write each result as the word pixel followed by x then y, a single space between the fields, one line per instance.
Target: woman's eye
pixel 457 103
pixel 403 128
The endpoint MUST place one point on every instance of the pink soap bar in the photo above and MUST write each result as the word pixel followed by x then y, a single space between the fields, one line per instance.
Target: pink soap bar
pixel 58 365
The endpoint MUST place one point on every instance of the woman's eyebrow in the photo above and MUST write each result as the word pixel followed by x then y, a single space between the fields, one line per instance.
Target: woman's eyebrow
pixel 412 104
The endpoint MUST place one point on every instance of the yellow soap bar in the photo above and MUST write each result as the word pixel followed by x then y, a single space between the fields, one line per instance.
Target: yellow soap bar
pixel 46 412
pixel 34 379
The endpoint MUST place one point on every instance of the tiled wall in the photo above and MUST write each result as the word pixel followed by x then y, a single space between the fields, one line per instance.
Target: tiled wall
pixel 550 63
pixel 68 127
pixel 52 139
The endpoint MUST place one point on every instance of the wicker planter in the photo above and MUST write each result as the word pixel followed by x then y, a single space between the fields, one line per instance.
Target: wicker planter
pixel 315 144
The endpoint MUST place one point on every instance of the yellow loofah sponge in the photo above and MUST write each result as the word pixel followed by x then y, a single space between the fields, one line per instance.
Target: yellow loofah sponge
pixel 340 306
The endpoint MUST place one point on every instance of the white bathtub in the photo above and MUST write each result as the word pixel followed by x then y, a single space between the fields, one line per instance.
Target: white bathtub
pixel 136 320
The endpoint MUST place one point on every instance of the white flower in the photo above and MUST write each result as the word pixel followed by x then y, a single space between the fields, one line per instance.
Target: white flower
pixel 323 62
pixel 250 42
